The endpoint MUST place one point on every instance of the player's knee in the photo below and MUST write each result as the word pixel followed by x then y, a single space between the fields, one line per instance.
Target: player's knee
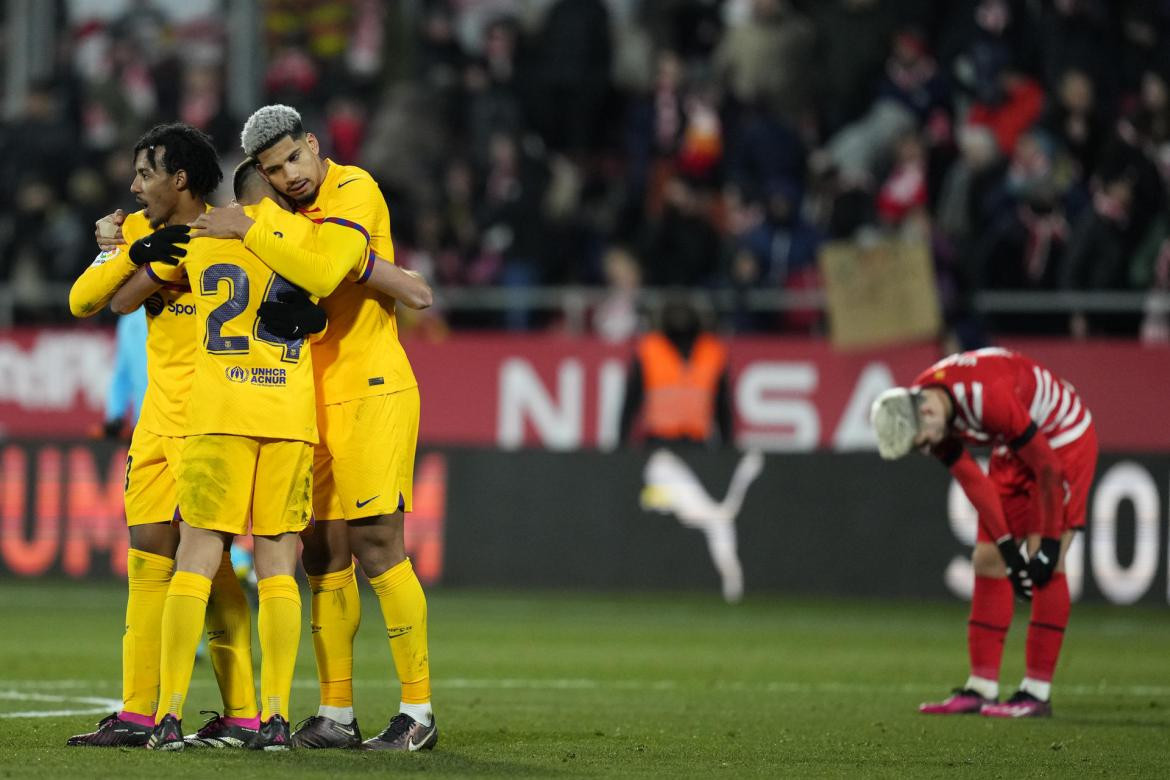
pixel 378 547
pixel 326 549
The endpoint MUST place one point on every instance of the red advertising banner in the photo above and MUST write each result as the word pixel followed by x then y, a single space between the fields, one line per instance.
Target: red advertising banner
pixel 563 393
pixel 61 510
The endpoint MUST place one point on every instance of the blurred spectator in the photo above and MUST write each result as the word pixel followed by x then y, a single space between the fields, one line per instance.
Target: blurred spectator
pixel 774 247
pixel 1071 33
pixel 615 319
pixel 700 150
pixel 654 128
pixel 910 93
pixel 853 39
pixel 345 127
pixel 902 196
pixel 1008 107
pixel 1099 251
pixel 292 75
pixel 692 29
pixel 762 150
pixel 128 380
pixel 513 191
pixel 202 105
pixel 495 89
pixel 682 246
pixel 965 197
pixel 572 71
pixel 1150 119
pixel 766 60
pixel 1073 119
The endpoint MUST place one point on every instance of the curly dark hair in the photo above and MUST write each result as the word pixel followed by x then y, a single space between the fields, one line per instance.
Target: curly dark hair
pixel 188 149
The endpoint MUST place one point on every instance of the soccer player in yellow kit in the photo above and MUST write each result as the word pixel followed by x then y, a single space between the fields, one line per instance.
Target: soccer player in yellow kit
pixel 368 410
pixel 248 455
pixel 175 169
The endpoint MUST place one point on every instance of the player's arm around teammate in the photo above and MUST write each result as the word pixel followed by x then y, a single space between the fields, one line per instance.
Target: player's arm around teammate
pixel 309 266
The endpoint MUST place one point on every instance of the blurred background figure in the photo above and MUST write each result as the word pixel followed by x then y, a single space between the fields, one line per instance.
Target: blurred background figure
pixel 128 382
pixel 678 383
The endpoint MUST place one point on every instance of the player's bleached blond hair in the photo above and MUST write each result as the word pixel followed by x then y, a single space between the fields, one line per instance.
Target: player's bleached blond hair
pixel 268 125
pixel 894 415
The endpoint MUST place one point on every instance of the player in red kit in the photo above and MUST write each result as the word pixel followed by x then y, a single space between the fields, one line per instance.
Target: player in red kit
pixel 1043 456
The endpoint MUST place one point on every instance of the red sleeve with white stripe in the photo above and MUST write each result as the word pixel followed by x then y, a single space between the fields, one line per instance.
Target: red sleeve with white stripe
pixel 1056 408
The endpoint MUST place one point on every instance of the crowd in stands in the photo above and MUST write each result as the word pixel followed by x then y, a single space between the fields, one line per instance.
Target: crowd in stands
pixel 696 143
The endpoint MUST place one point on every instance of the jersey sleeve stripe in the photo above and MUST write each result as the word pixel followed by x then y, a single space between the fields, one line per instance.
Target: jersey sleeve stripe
pixel 349 224
pixel 153 276
pixel 369 268
pixel 1072 434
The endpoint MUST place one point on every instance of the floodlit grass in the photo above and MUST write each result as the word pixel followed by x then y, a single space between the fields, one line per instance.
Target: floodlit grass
pixel 566 684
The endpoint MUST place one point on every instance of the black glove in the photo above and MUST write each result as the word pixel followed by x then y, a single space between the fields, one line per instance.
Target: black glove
pixel 161 246
pixel 292 315
pixel 1017 568
pixel 1043 563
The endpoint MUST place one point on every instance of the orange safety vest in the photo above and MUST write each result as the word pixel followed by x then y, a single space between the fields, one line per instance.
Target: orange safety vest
pixel 680 395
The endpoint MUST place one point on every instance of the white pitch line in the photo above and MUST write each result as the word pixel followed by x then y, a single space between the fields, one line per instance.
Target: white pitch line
pixel 96 704
pixel 584 683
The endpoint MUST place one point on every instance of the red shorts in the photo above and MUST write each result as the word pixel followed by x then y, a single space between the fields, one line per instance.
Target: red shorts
pixel 1017 485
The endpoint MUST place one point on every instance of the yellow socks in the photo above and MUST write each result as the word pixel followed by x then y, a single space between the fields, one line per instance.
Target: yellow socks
pixel 336 612
pixel 182 623
pixel 148 577
pixel 229 640
pixel 404 608
pixel 280 635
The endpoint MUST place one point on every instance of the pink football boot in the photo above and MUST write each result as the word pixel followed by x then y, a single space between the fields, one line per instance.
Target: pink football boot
pixel 1020 705
pixel 962 701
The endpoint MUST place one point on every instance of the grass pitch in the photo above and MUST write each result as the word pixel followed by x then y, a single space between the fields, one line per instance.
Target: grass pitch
pixel 554 685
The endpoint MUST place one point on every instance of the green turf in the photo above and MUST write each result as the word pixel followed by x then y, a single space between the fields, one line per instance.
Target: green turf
pixel 665 685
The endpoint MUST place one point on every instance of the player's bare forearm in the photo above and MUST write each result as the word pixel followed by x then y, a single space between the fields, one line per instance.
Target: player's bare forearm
pixel 137 289
pixel 409 287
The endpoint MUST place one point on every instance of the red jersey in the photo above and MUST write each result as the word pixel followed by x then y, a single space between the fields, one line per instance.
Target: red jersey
pixel 998 394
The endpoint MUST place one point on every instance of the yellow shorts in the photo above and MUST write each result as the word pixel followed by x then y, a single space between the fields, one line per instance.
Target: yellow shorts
pixel 224 480
pixel 151 466
pixel 364 465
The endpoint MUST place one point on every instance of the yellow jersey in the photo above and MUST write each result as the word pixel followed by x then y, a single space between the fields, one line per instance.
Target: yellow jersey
pixel 359 355
pixel 247 381
pixel 170 319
